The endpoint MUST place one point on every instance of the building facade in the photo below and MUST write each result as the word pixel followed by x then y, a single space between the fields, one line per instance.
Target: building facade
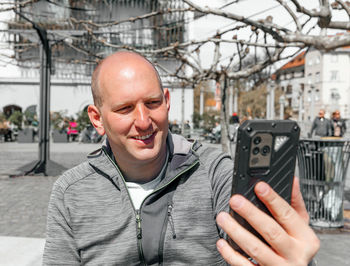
pixel 317 80
pixel 327 82
pixel 76 50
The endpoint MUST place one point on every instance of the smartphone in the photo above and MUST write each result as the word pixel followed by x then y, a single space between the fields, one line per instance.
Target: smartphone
pixel 265 151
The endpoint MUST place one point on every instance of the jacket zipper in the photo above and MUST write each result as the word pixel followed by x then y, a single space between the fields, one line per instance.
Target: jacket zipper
pixel 138 212
pixel 137 215
pixel 138 225
pixel 171 221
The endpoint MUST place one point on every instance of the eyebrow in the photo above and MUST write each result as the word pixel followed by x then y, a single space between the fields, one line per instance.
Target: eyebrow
pixel 152 97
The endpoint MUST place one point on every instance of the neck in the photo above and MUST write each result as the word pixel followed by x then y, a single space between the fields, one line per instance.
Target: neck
pixel 142 172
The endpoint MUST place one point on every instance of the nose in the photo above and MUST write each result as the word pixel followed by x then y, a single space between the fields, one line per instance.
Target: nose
pixel 142 118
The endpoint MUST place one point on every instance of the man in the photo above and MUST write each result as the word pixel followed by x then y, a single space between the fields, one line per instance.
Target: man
pixel 321 125
pixel 150 197
pixel 338 125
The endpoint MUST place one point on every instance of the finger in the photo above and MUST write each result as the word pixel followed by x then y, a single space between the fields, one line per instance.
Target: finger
pixel 264 224
pixel 297 201
pixel 231 256
pixel 286 216
pixel 248 242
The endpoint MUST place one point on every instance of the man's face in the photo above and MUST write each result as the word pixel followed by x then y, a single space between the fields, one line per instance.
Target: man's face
pixel 321 114
pixel 134 112
pixel 337 115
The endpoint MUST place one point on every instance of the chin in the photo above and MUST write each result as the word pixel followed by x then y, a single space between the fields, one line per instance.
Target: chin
pixel 147 154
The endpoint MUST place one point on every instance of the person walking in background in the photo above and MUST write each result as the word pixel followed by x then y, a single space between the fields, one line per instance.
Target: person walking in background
pixel 72 131
pixel 321 125
pixel 234 119
pixel 338 124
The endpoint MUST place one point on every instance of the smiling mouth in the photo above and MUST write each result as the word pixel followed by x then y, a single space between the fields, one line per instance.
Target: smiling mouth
pixel 143 137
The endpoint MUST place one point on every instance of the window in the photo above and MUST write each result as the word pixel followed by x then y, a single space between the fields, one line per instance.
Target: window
pixel 335 96
pixel 317 77
pixel 309 96
pixel 309 79
pixel 334 75
pixel 317 95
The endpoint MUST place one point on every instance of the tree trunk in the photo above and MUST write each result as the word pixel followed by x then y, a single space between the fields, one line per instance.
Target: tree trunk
pixel 225 141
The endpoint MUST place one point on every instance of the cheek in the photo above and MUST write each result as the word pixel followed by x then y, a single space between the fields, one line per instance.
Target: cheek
pixel 161 118
pixel 117 125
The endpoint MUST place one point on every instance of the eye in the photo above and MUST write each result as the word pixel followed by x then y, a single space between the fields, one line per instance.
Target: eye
pixel 154 103
pixel 124 109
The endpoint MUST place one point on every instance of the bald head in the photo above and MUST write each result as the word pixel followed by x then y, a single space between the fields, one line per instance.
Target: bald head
pixel 124 63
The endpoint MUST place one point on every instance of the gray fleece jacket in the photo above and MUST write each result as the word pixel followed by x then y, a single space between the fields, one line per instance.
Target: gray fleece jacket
pixel 92 221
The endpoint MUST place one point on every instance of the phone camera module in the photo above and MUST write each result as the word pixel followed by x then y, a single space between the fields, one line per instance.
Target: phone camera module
pixel 257 140
pixel 265 150
pixel 256 150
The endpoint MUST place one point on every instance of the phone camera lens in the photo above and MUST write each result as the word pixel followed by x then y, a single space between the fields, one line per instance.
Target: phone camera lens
pixel 265 150
pixel 256 150
pixel 257 140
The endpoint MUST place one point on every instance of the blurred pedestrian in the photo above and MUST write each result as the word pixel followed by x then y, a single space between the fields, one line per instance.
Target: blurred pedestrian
pixel 234 119
pixel 321 125
pixel 72 131
pixel 187 130
pixel 338 124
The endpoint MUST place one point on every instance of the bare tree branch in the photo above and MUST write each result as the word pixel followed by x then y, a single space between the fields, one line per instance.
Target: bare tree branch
pixel 291 13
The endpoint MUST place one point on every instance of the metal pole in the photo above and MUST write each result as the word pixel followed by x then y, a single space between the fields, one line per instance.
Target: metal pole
pixel 312 116
pixel 272 102
pixel 183 109
pixel 43 165
pixel 201 102
pixel 235 100
pixel 44 107
pixel 230 102
pixel 300 115
pixel 282 101
pixel 268 99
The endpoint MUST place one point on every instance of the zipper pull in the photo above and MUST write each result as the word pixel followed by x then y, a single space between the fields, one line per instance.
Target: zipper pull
pixel 138 225
pixel 171 221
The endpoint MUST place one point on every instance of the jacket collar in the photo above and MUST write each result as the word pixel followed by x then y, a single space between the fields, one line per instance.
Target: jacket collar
pixel 181 156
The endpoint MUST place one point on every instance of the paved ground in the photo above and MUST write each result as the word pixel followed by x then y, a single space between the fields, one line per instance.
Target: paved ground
pixel 23 206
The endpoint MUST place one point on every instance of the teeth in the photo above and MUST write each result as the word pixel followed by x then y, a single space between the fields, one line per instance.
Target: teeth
pixel 143 137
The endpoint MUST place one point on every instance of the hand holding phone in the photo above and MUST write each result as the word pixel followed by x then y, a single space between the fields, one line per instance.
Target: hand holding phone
pixel 265 151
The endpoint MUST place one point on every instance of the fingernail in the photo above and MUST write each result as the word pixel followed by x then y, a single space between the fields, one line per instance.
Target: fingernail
pixel 220 244
pixel 236 202
pixel 262 188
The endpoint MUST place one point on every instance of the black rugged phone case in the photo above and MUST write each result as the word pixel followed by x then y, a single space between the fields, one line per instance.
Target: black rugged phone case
pixel 279 174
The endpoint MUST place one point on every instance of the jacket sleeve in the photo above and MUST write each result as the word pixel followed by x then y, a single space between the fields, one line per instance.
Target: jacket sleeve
pixel 221 173
pixel 60 247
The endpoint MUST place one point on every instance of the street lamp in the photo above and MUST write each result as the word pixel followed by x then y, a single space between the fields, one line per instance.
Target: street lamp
pixel 43 165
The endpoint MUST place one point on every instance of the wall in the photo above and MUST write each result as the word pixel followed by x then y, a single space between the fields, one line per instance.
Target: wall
pixel 73 97
pixel 176 103
pixel 336 91
pixel 65 95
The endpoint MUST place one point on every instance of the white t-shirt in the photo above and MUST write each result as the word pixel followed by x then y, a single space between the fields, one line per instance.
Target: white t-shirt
pixel 138 192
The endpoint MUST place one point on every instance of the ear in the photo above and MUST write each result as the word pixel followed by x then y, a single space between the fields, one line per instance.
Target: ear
pixel 96 119
pixel 167 98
